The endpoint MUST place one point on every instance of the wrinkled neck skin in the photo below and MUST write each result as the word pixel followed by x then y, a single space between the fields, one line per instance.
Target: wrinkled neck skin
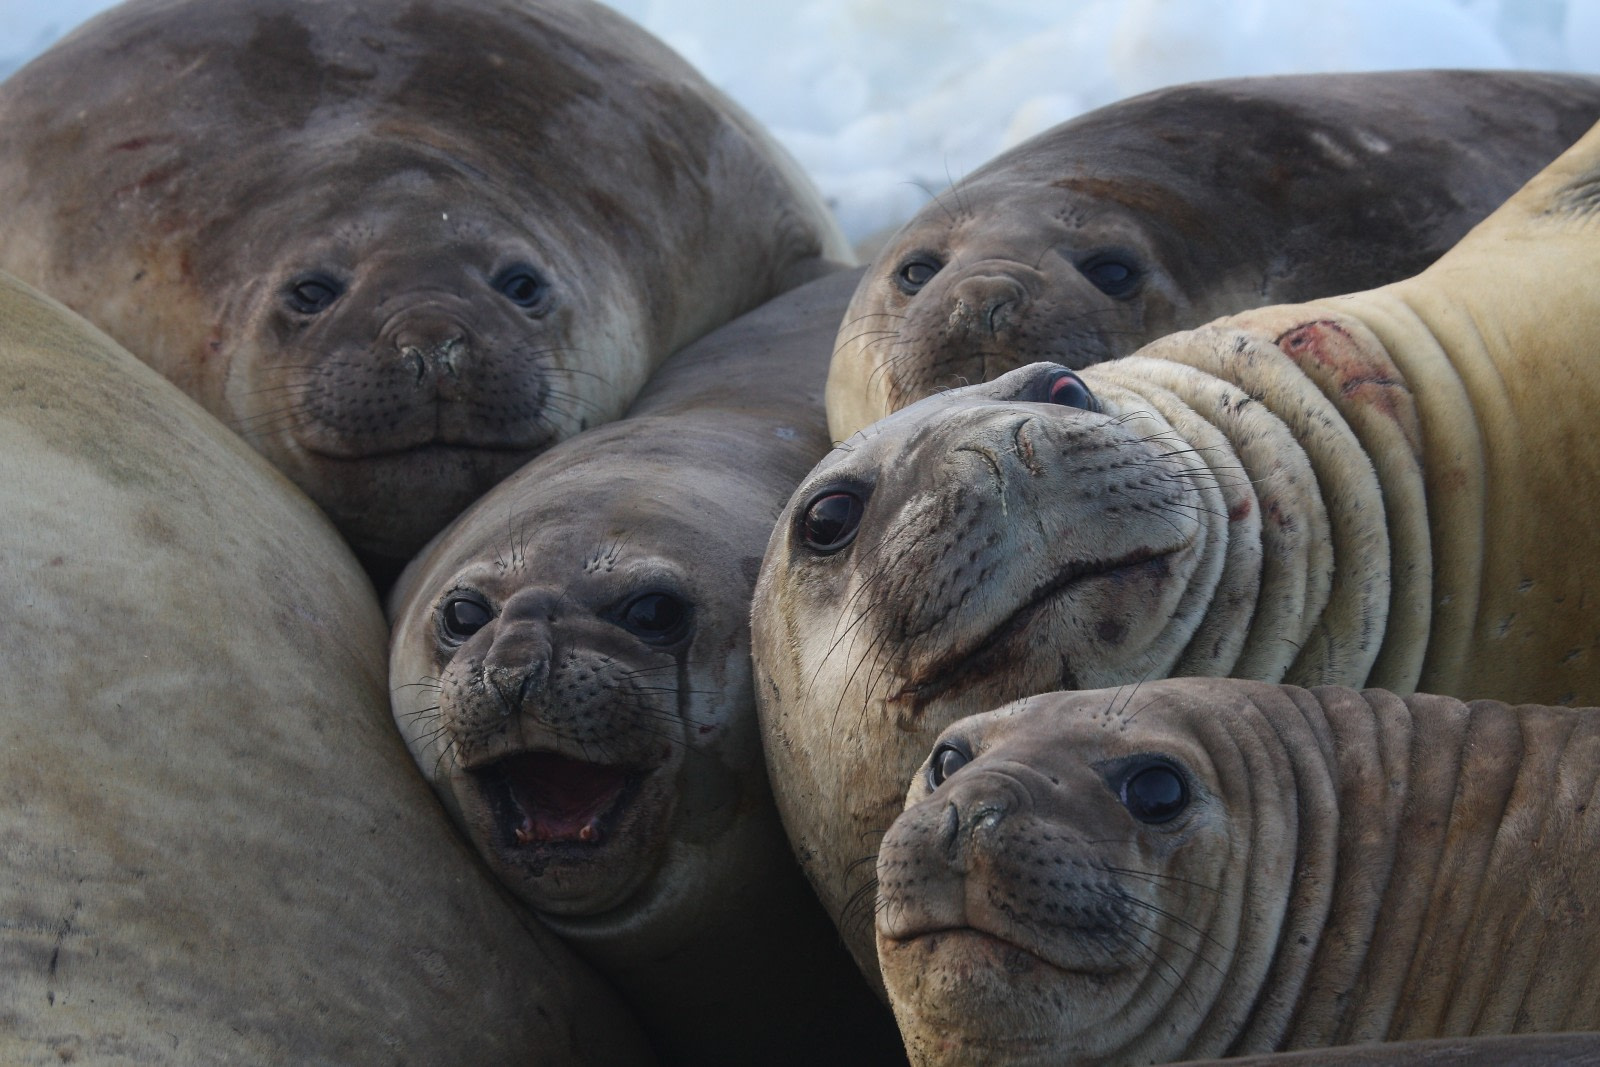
pixel 1233 906
pixel 1393 868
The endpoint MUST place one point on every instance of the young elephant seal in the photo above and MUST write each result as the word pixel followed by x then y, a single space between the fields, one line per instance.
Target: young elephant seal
pixel 1203 867
pixel 1164 211
pixel 571 669
pixel 215 847
pixel 400 248
pixel 1388 489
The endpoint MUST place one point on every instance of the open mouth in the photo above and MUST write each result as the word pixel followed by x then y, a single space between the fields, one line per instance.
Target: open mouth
pixel 540 799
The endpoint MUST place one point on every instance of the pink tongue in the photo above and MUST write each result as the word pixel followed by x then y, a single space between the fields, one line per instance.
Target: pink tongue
pixel 560 799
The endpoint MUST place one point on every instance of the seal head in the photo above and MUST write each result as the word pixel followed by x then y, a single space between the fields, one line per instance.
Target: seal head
pixel 1161 212
pixel 399 248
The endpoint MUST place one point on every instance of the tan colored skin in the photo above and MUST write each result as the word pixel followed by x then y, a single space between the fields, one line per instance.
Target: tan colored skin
pixel 681 887
pixel 1216 197
pixel 216 848
pixel 1341 867
pixel 1388 489
pixel 178 170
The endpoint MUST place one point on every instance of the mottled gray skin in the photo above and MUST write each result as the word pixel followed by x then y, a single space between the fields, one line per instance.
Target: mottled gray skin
pixel 1389 488
pixel 216 849
pixel 655 847
pixel 1218 196
pixel 399 247
pixel 1205 867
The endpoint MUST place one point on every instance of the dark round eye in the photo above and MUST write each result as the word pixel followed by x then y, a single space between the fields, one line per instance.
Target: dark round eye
pixel 311 293
pixel 916 272
pixel 658 618
pixel 830 521
pixel 947 759
pixel 463 615
pixel 522 286
pixel 1155 793
pixel 1067 389
pixel 1112 275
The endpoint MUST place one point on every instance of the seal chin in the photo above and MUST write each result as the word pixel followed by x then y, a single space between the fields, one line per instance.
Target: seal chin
pixel 981 999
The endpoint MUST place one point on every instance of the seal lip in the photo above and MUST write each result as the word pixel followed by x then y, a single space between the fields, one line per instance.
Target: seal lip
pixel 967 938
pixel 544 804
pixel 959 664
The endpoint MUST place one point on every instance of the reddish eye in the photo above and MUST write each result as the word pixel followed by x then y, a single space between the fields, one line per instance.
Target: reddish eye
pixel 1067 389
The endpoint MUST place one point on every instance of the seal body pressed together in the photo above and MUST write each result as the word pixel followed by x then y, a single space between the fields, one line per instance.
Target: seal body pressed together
pixel 1163 211
pixel 571 669
pixel 1202 867
pixel 400 248
pixel 215 847
pixel 1390 489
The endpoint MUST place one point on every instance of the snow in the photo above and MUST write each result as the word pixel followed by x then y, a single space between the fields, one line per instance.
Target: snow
pixel 885 102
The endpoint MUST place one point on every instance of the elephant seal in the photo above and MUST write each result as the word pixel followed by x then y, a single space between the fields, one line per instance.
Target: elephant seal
pixel 216 847
pixel 1202 867
pixel 400 248
pixel 1161 212
pixel 1388 489
pixel 570 667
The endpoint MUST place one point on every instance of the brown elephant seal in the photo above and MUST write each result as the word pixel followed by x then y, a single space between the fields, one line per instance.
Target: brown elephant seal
pixel 1163 211
pixel 216 849
pixel 1386 489
pixel 1206 867
pixel 571 669
pixel 400 248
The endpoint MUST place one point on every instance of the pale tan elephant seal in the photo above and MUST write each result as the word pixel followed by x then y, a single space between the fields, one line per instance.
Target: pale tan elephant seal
pixel 1206 867
pixel 1391 489
pixel 571 668
pixel 216 849
pixel 1163 211
pixel 401 248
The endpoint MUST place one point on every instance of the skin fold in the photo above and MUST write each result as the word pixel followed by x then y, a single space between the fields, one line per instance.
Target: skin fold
pixel 1389 489
pixel 570 667
pixel 1206 867
pixel 1163 211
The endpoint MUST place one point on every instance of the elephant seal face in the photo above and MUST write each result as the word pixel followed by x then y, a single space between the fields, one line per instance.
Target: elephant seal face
pixel 1164 211
pixel 400 249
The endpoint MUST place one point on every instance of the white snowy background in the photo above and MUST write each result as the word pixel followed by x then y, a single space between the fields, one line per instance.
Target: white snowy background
pixel 885 102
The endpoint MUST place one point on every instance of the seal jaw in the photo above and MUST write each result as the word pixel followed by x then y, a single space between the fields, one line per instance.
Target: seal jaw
pixel 545 799
pixel 570 837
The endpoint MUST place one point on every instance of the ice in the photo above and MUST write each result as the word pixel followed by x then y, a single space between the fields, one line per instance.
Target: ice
pixel 885 103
